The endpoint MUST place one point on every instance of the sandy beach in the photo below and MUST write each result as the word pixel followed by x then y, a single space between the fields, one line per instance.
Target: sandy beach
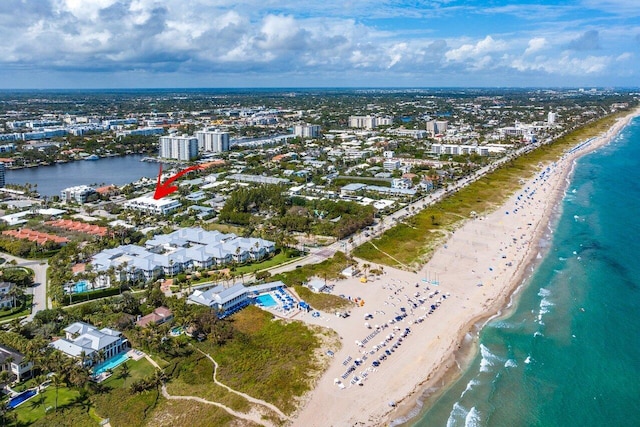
pixel 411 324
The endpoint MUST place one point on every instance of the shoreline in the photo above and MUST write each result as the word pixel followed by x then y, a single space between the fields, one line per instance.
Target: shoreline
pixel 506 240
pixel 406 414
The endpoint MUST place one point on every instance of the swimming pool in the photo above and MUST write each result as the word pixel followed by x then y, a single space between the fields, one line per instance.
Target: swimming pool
pixel 81 286
pixel 110 363
pixel 266 300
pixel 21 398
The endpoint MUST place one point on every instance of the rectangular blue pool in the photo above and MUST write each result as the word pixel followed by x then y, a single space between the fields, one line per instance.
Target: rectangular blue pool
pixel 266 300
pixel 110 363
pixel 21 398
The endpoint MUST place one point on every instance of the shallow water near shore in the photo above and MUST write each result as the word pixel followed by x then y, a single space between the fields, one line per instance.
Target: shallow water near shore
pixel 568 353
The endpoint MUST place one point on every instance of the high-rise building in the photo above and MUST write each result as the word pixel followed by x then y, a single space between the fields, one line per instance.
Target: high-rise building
pixel 369 122
pixel 551 117
pixel 214 141
pixel 178 147
pixel 1 174
pixel 435 127
pixel 306 131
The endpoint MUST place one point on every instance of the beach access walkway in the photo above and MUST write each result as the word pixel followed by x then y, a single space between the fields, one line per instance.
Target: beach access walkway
pixel 254 415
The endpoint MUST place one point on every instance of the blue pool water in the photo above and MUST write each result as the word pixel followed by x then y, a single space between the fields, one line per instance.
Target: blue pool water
pixel 110 363
pixel 20 398
pixel 81 286
pixel 266 300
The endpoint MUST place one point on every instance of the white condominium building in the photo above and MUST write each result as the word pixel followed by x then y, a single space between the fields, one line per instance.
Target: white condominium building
pixel 151 205
pixel 306 131
pixel 178 147
pixel 214 141
pixel 369 122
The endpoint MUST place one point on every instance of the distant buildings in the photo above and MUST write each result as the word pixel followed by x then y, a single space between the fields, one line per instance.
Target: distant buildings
pixel 456 150
pixel 369 122
pixel 178 147
pixel 144 131
pixel 79 194
pixel 435 127
pixel 147 204
pixel 212 141
pixel 306 131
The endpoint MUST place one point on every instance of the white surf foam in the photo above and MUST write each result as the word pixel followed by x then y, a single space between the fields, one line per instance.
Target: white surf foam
pixel 458 412
pixel 473 418
pixel 488 359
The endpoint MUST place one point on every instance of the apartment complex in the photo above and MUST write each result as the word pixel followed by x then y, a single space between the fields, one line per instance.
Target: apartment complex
pixel 306 131
pixel 178 147
pixel 184 249
pixel 369 122
pixel 78 194
pixel 213 141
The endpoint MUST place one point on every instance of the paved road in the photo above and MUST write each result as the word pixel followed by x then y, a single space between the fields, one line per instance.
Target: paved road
pixel 39 288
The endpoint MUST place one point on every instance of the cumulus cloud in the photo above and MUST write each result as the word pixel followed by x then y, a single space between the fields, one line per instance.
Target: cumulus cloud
pixel 266 37
pixel 536 44
pixel 479 54
pixel 589 40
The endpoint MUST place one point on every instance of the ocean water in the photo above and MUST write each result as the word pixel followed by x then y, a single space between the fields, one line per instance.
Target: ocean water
pixel 568 353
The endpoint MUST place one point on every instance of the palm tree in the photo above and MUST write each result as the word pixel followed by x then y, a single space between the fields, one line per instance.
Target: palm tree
pixel 57 382
pixel 365 267
pixel 124 371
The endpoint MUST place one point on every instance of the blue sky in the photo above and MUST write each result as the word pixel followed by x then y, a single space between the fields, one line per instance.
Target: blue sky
pixel 304 43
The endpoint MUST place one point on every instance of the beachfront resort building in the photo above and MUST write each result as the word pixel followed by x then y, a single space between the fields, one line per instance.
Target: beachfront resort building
pixel 177 147
pixel 150 205
pixel 14 362
pixel 181 250
pixel 85 342
pixel 223 300
pixel 227 301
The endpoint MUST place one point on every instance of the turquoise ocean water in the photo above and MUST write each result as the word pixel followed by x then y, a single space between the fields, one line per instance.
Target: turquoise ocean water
pixel 568 353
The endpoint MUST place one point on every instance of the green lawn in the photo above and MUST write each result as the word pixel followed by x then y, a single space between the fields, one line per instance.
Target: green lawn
pixel 322 301
pixel 23 310
pixel 34 409
pixel 278 259
pixel 270 360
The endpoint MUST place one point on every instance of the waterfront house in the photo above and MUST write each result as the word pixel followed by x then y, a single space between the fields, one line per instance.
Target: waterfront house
pixel 14 362
pixel 158 316
pixel 85 342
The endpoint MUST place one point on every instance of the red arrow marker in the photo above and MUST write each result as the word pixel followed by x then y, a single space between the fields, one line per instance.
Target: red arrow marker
pixel 164 189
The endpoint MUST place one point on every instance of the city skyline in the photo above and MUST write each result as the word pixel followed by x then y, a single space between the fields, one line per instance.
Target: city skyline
pixel 79 44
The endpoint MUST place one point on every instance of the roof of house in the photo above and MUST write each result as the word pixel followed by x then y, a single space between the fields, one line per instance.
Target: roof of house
pixel 89 339
pixel 6 352
pixel 159 315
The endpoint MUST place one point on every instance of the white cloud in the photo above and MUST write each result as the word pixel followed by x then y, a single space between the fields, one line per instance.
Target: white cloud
pixel 479 51
pixel 536 44
pixel 271 37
